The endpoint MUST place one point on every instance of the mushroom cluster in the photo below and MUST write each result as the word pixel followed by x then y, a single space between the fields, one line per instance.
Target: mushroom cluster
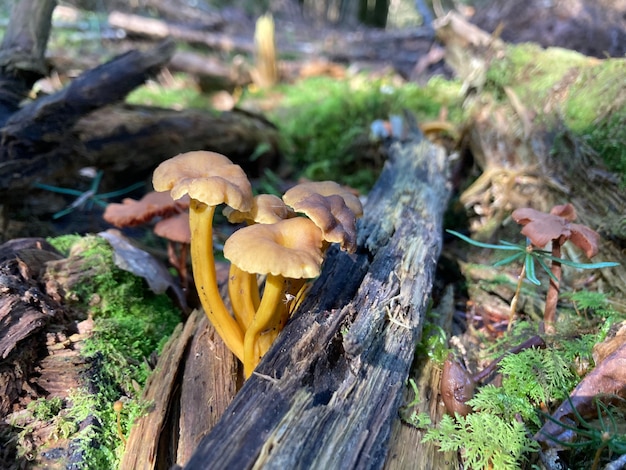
pixel 283 241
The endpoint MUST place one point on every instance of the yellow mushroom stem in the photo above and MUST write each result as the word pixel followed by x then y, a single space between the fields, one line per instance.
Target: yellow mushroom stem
pixel 266 315
pixel 243 291
pixel 203 265
pixel 295 293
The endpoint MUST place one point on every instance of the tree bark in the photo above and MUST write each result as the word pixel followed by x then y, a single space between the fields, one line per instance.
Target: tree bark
pixel 328 391
pixel 22 60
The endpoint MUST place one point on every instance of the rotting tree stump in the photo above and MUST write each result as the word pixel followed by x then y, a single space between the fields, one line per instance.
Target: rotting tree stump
pixel 540 122
pixel 328 392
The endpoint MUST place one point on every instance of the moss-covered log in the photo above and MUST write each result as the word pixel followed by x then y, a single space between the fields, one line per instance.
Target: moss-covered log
pixel 545 127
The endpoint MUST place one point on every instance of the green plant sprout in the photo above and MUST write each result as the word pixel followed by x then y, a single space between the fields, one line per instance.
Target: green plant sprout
pixel 417 420
pixel 605 436
pixel 529 255
pixel 86 198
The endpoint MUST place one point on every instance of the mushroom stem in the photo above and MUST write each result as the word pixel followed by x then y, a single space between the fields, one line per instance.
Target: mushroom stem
pixel 294 294
pixel 269 308
pixel 203 265
pixel 243 291
pixel 552 296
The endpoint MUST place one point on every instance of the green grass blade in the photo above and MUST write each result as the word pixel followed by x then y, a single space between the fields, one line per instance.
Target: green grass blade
pixel 573 264
pixel 56 189
pixel 546 268
pixel 484 245
pixel 119 192
pixel 509 259
pixel 530 269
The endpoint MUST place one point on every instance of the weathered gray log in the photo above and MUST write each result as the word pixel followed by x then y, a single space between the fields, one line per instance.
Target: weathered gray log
pixel 40 135
pixel 328 391
pixel 154 28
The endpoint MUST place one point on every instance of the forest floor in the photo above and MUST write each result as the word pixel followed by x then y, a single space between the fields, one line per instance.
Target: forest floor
pixel 478 314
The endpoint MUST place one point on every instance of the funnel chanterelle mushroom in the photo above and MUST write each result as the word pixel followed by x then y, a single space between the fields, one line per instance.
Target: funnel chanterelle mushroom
pixel 332 207
pixel 243 289
pixel 287 251
pixel 209 179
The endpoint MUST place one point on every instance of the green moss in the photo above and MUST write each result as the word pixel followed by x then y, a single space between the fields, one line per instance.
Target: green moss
pixel 130 324
pixel 486 440
pixel 326 122
pixel 587 95
pixel 532 71
pixel 184 96
pixel 531 380
pixel 608 138
pixel 64 242
pixel 44 409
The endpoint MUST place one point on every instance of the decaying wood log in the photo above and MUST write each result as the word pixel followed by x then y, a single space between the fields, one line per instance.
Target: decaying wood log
pixel 48 139
pixel 196 367
pixel 127 141
pixel 209 68
pixel 328 391
pixel 25 312
pixel 40 341
pixel 406 447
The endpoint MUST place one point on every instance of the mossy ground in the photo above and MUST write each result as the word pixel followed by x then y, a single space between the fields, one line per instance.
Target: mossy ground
pixel 130 324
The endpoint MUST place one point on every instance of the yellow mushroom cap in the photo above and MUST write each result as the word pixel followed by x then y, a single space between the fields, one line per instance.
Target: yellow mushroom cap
pixel 290 248
pixel 208 177
pixel 332 207
pixel 266 209
pixel 325 188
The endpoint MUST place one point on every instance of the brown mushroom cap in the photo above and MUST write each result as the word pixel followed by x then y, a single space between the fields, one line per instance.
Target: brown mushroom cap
pixel 290 248
pixel 131 213
pixel 325 188
pixel 541 228
pixel 333 217
pixel 266 209
pixel 174 228
pixel 332 207
pixel 208 177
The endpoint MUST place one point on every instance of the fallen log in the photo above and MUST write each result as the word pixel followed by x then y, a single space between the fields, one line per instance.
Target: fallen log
pixel 159 29
pixel 328 391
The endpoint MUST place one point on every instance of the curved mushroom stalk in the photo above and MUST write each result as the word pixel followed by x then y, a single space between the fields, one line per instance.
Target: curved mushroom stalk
pixel 286 250
pixel 292 297
pixel 243 291
pixel 269 309
pixel 203 265
pixel 209 179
